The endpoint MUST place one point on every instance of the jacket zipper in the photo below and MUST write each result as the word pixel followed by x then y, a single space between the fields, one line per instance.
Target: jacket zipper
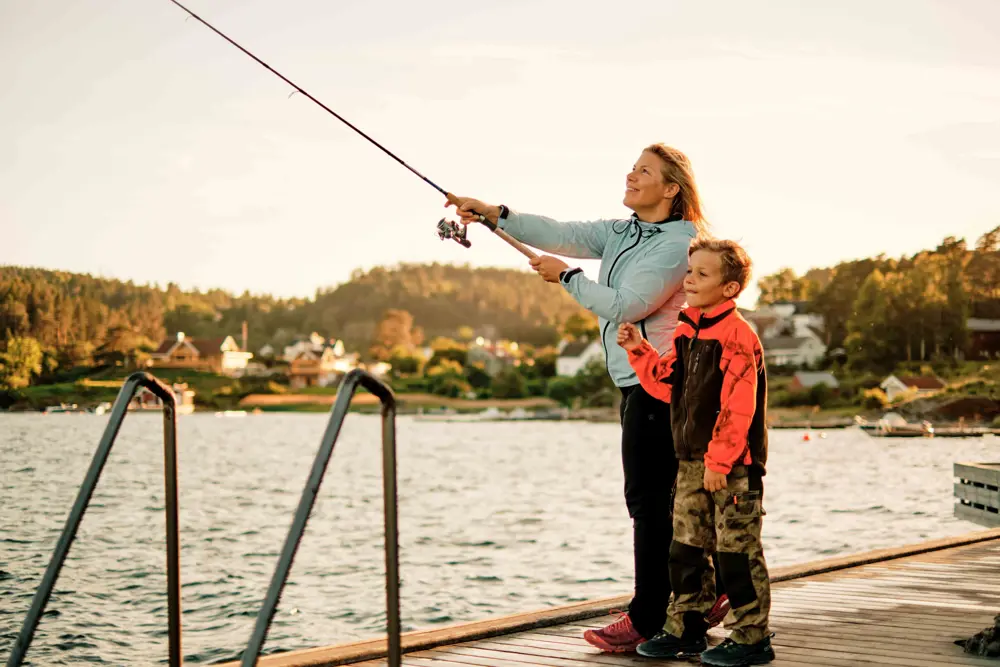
pixel 604 331
pixel 687 380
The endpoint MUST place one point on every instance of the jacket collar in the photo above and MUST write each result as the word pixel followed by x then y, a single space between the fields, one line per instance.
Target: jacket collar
pixel 699 320
pixel 673 218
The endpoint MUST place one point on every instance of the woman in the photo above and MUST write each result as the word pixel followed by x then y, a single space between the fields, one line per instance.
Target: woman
pixel 643 263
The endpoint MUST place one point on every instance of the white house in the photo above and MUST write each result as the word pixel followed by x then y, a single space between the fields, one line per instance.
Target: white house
pixel 314 343
pixel 217 355
pixel 894 385
pixel 379 368
pixel 321 368
pixel 574 356
pixel 789 338
pixel 793 350
pixel 810 379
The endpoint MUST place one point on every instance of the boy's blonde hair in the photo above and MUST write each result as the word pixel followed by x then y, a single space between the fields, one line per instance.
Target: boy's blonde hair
pixel 736 264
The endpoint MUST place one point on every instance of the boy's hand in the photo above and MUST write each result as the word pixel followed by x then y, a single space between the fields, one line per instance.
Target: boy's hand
pixel 714 481
pixel 628 336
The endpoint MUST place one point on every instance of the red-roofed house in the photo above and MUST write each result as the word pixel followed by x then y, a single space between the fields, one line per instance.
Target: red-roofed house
pixel 214 355
pixel 984 338
pixel 894 386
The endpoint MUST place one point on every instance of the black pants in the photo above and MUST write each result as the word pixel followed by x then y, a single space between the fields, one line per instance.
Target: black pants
pixel 650 472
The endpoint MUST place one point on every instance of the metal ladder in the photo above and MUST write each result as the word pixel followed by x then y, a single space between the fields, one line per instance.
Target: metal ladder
pixel 348 386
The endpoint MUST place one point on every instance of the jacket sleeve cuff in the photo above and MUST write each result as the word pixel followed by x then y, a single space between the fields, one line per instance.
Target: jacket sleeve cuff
pixel 641 351
pixel 512 218
pixel 716 466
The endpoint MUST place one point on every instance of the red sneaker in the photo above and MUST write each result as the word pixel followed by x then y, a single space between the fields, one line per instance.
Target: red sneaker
pixel 618 637
pixel 718 611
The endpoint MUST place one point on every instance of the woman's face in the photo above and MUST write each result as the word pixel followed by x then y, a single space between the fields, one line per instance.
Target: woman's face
pixel 645 187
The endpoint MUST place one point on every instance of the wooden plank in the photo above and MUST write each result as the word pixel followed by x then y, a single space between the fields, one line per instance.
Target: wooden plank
pixel 413 641
pixel 984 473
pixel 613 659
pixel 529 657
pixel 974 515
pixel 943 653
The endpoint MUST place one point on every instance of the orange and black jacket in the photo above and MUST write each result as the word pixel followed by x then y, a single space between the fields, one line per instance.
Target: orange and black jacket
pixel 714 380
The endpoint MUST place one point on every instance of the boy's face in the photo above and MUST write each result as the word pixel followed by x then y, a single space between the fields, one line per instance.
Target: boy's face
pixel 703 283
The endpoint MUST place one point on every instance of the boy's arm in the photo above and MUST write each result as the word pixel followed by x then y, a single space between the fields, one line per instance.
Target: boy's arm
pixel 739 363
pixel 653 371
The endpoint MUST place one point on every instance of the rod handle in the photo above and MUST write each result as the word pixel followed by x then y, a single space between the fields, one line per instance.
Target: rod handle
pixel 514 243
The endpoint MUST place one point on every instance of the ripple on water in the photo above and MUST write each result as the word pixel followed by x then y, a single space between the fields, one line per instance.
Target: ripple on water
pixel 494 519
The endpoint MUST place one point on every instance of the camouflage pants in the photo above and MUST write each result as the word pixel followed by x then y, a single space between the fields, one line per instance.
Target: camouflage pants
pixel 729 522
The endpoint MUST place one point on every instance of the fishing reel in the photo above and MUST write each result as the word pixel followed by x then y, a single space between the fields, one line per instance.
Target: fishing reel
pixel 449 229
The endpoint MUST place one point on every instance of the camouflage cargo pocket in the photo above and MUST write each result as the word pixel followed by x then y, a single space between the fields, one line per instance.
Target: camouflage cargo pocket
pixel 742 509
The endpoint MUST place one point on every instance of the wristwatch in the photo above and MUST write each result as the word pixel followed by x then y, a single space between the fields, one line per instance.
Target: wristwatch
pixel 566 274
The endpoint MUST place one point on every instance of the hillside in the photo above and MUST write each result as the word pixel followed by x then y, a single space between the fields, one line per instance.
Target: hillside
pixel 78 318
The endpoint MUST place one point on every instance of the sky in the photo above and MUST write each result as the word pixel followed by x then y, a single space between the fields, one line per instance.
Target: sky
pixel 139 145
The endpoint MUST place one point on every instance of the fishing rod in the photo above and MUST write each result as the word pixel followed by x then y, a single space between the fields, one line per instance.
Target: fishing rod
pixel 446 229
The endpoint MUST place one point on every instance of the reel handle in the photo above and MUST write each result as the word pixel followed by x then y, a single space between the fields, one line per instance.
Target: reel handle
pixel 514 243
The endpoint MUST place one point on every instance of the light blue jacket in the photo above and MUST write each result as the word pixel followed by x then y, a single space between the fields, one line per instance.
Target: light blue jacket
pixel 642 268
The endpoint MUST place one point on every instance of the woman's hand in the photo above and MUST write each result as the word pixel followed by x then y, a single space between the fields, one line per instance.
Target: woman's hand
pixel 469 209
pixel 714 481
pixel 548 267
pixel 628 336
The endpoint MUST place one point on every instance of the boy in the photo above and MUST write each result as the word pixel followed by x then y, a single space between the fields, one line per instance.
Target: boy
pixel 714 379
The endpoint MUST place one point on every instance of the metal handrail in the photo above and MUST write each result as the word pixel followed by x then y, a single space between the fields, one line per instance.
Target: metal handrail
pixel 118 412
pixel 345 393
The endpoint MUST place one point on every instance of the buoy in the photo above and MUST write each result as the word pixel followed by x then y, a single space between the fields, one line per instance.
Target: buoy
pixel 805 437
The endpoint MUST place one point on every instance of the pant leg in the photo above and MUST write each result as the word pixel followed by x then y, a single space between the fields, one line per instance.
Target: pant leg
pixel 738 515
pixel 650 470
pixel 691 573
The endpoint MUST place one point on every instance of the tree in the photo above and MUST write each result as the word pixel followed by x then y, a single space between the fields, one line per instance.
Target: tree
pixel 580 326
pixel 868 339
pixel 989 242
pixel 784 286
pixel 394 331
pixel 404 361
pixel 509 384
pixel 594 385
pixel 123 346
pixel 545 364
pixel 447 379
pixel 478 378
pixel 20 362
pixel 563 390
pixel 446 348
pixel 835 302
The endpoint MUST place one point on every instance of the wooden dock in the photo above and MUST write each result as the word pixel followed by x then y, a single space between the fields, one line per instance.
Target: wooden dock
pixel 890 607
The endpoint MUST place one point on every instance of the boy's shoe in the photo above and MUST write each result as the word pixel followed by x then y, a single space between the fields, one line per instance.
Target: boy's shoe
pixel 617 637
pixel 731 654
pixel 718 612
pixel 666 646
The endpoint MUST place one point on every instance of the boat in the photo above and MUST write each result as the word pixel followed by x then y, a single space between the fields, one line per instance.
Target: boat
pixel 894 425
pixel 826 425
pixel 64 408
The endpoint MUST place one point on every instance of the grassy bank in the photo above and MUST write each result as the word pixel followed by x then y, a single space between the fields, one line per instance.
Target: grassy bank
pixel 972 393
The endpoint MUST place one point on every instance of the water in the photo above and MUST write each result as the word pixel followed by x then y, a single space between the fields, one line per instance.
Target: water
pixel 495 519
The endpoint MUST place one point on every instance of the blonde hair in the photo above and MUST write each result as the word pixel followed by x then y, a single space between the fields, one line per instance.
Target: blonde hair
pixel 736 263
pixel 677 169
